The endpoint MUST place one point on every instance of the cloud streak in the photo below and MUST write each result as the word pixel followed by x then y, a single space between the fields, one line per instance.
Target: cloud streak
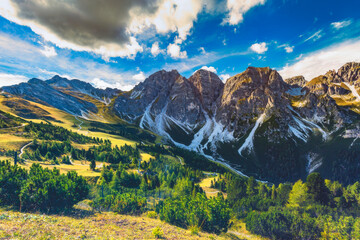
pixel 319 62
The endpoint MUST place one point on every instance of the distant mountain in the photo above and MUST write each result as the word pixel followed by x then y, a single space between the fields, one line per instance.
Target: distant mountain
pixel 62 93
pixel 256 122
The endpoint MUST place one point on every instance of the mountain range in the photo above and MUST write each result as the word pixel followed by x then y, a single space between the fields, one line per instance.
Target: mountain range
pixel 256 123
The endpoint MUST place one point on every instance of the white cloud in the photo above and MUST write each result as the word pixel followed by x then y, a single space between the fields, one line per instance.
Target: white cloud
pixel 289 49
pixel 29 61
pixel 171 15
pixel 49 51
pixel 319 62
pixel 237 9
pixel 174 51
pixel 210 69
pixel 82 26
pixel 202 50
pixel 11 79
pixel 316 36
pixel 259 47
pixel 224 77
pixel 286 47
pixel 155 49
pixel 99 83
pixel 139 77
pixel 342 24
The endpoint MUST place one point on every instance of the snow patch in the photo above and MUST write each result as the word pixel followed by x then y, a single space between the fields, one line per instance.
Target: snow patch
pixel 314 162
pixel 248 144
pixel 298 134
pixel 135 94
pixel 353 90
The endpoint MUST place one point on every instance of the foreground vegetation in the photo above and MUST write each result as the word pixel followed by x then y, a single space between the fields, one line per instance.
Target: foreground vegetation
pixel 168 185
pixel 87 225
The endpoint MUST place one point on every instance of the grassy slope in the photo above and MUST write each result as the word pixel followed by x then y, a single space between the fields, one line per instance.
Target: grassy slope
pixel 67 121
pixel 205 185
pixel 16 225
pixel 12 142
pixel 84 224
pixel 81 167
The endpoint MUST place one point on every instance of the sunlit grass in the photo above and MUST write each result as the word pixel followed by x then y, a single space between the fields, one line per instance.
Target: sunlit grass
pixel 81 167
pixel 16 225
pixel 12 142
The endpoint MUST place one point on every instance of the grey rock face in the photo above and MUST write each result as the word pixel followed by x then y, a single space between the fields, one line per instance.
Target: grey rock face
pixel 248 95
pixel 298 81
pixel 154 90
pixel 208 87
pixel 82 87
pixel 40 91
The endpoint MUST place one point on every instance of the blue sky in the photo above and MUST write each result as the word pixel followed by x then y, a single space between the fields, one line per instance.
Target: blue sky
pixel 118 43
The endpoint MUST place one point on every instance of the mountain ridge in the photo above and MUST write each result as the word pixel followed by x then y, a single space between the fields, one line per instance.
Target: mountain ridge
pixel 244 122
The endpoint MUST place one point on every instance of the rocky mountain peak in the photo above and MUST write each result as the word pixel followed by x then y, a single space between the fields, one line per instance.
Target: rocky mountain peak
pixel 208 87
pixel 350 72
pixel 36 81
pixel 297 81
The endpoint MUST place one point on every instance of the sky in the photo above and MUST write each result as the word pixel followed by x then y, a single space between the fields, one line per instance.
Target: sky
pixel 118 43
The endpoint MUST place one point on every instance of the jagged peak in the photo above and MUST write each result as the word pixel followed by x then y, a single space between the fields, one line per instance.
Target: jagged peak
pixel 36 81
pixel 297 80
pixel 258 77
pixel 57 77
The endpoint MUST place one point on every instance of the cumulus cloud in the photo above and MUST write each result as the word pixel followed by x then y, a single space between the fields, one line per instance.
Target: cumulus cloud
pixel 170 15
pixel 174 51
pixel 11 79
pixel 202 50
pixel 96 26
pixel 259 47
pixel 342 24
pixel 321 61
pixel 210 69
pixel 107 28
pixel 26 59
pixel 237 9
pixel 224 77
pixel 139 77
pixel 48 51
pixel 155 49
pixel 289 49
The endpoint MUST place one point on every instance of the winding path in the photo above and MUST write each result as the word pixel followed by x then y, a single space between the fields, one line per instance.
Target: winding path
pixel 22 125
pixel 81 122
pixel 22 149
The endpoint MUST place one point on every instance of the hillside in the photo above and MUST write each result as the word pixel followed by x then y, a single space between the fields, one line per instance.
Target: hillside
pixel 88 225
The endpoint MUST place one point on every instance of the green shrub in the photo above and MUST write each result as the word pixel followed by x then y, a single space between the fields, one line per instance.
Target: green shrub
pixel 211 215
pixel 152 214
pixel 127 203
pixel 40 189
pixel 158 232
pixel 194 230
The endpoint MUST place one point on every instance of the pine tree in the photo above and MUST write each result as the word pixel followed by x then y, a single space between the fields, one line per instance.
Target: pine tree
pixel 298 195
pixel 317 189
pixel 92 164
pixel 273 192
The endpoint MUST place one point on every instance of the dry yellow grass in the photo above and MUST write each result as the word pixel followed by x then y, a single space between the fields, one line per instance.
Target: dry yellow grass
pixel 238 229
pixel 205 185
pixel 81 167
pixel 16 225
pixel 12 142
pixel 145 157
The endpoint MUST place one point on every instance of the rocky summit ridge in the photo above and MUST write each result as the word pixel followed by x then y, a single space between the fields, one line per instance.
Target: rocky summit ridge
pixel 256 122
